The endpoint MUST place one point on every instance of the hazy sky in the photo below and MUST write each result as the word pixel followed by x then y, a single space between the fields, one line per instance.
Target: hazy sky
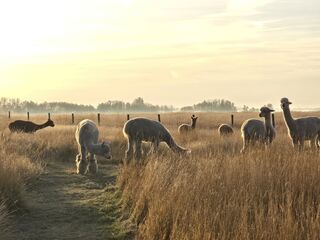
pixel 169 52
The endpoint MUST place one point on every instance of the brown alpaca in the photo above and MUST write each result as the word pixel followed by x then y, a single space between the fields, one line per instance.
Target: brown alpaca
pixel 225 130
pixel 28 127
pixel 185 128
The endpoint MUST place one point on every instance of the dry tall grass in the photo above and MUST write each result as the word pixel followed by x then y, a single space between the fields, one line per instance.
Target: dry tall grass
pixel 22 158
pixel 216 193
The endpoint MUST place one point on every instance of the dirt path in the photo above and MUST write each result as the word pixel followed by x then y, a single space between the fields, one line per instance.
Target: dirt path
pixel 64 205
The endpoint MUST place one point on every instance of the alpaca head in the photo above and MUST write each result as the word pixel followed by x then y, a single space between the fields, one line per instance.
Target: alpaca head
pixel 105 150
pixel 265 111
pixel 50 123
pixel 194 119
pixel 285 103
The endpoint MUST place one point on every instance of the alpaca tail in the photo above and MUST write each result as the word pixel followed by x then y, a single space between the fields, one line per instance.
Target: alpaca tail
pixel 176 148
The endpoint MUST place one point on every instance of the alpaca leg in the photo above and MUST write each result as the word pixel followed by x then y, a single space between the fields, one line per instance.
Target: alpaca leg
pixel 313 143
pixel 81 161
pixel 295 144
pixel 154 146
pixel 246 142
pixel 93 165
pixel 129 151
pixel 318 141
pixel 301 144
pixel 138 150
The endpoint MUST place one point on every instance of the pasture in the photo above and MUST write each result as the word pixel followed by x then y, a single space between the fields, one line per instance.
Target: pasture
pixel 215 193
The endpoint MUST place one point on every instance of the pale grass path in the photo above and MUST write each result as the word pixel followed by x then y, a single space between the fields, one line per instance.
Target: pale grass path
pixel 64 205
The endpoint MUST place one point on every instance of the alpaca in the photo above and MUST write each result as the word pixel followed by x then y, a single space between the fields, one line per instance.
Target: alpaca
pixel 254 130
pixel 137 130
pixel 185 128
pixel 87 135
pixel 28 127
pixel 301 129
pixel 225 130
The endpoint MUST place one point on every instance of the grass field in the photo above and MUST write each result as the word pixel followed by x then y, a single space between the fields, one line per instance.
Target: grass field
pixel 215 193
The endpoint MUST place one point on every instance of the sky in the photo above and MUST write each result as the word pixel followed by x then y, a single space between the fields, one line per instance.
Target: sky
pixel 173 52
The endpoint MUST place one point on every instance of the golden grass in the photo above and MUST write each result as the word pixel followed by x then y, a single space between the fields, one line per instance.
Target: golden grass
pixel 216 193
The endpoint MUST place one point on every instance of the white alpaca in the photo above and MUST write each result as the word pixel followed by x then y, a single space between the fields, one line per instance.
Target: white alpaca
pixel 87 135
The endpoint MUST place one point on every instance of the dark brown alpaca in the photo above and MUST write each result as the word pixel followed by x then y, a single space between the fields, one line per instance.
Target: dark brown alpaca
pixel 28 127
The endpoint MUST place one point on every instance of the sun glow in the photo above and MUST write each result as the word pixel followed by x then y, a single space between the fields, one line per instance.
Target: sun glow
pixel 33 28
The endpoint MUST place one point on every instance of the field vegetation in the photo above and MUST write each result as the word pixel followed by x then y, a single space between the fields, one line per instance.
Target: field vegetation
pixel 215 193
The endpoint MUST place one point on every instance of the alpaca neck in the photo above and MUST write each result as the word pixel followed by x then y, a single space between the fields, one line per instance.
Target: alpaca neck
pixel 268 121
pixel 193 124
pixel 269 128
pixel 289 120
pixel 93 148
pixel 171 143
pixel 41 126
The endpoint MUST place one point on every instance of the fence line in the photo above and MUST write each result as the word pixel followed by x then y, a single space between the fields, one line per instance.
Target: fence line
pixel 232 117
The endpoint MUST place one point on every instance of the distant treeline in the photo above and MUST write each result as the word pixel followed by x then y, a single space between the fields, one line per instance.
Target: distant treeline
pixel 217 105
pixel 138 105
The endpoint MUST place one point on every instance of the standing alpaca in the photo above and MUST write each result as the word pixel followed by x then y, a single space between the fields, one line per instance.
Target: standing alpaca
pixel 254 130
pixel 87 135
pixel 225 130
pixel 137 130
pixel 301 129
pixel 28 127
pixel 185 128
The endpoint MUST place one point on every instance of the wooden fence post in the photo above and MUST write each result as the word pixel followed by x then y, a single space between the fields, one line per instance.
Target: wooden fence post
pixel 98 118
pixel 9 114
pixel 273 121
pixel 232 120
pixel 159 118
pixel 28 115
pixel 72 118
pixel 49 116
pixel 128 117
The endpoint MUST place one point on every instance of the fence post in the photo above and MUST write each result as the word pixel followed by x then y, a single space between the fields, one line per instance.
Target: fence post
pixel 159 118
pixel 232 120
pixel 273 121
pixel 49 116
pixel 98 118
pixel 28 115
pixel 9 114
pixel 72 118
pixel 128 117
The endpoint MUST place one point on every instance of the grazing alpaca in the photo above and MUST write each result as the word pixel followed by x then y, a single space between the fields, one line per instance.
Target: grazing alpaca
pixel 137 130
pixel 184 128
pixel 28 127
pixel 301 129
pixel 254 130
pixel 225 130
pixel 87 135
